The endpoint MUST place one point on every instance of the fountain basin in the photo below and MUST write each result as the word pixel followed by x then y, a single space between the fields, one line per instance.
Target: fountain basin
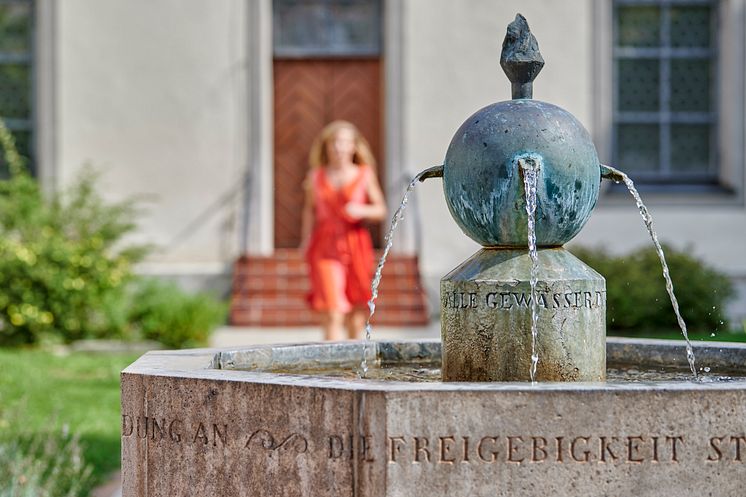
pixel 194 424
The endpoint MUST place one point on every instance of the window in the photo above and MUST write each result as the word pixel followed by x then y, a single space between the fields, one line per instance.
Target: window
pixel 16 72
pixel 665 102
pixel 324 28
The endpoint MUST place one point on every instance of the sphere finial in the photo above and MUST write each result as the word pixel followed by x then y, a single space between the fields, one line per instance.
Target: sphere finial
pixel 520 58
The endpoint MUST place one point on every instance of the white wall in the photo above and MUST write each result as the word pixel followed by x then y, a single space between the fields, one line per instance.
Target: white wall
pixel 155 95
pixel 452 69
pixel 158 95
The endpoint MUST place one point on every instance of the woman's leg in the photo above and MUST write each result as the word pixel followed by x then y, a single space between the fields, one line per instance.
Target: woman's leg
pixel 329 287
pixel 356 323
pixel 332 322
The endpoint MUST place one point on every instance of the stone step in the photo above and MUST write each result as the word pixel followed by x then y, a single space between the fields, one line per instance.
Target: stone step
pixel 305 317
pixel 411 301
pixel 268 297
pixel 271 291
pixel 275 283
pixel 299 267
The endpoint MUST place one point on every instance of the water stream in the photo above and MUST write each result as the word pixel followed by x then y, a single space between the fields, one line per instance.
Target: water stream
pixel 530 168
pixel 648 220
pixel 389 240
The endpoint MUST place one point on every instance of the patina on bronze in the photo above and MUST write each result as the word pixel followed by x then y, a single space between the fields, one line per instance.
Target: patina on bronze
pixel 520 58
pixel 490 339
pixel 483 185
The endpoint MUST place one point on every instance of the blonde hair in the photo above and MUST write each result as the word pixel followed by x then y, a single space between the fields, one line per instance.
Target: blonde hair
pixel 317 156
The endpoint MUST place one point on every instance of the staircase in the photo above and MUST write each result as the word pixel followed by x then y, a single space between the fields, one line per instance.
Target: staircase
pixel 271 291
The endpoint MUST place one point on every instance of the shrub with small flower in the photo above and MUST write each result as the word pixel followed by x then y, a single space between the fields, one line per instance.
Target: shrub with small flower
pixel 66 272
pixel 63 267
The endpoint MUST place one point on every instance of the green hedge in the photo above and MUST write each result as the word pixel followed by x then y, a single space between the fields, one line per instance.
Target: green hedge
pixel 637 301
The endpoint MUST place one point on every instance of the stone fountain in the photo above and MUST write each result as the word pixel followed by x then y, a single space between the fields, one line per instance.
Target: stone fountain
pixel 458 417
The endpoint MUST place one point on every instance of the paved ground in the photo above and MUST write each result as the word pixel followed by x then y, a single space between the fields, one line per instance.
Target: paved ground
pixel 112 488
pixel 230 336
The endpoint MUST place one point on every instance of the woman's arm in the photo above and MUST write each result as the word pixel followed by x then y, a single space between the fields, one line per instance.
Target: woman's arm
pixel 375 209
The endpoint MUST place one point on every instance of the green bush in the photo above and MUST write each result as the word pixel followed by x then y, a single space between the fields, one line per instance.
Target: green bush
pixel 162 312
pixel 637 301
pixel 63 267
pixel 65 273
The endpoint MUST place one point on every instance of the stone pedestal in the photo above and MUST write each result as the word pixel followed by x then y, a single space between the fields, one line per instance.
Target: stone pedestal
pixel 486 318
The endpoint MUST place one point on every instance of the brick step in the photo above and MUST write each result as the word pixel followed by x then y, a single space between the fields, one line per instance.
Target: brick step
pixel 301 268
pixel 262 298
pixel 401 278
pixel 268 298
pixel 271 291
pixel 274 270
pixel 300 258
pixel 293 304
pixel 272 287
pixel 297 254
pixel 269 318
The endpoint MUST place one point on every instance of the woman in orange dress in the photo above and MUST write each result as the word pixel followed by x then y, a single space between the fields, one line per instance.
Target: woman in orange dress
pixel 341 193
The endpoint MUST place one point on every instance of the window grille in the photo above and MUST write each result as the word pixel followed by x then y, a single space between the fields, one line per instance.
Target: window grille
pixel 326 28
pixel 665 112
pixel 16 73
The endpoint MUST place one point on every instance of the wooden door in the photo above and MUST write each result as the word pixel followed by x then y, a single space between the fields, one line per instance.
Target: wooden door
pixel 308 94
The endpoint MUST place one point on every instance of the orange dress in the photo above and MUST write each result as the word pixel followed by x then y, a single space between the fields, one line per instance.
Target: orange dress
pixel 340 251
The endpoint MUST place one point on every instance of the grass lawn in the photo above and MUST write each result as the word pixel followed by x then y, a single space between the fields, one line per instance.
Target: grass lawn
pixel 42 392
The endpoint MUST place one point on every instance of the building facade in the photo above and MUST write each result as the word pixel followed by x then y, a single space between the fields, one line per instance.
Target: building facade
pixel 197 104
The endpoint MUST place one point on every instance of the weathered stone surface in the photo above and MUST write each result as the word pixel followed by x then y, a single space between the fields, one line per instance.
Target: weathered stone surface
pixel 486 318
pixel 190 429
